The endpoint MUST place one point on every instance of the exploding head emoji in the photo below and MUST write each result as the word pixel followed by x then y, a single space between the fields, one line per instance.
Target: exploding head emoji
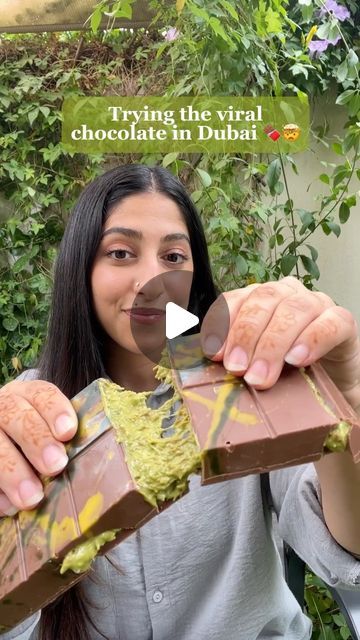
pixel 291 132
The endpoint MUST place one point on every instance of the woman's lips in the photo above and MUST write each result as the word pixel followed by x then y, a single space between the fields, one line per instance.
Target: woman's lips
pixel 145 315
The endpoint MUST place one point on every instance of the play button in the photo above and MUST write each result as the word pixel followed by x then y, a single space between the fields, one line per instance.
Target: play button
pixel 178 320
pixel 166 309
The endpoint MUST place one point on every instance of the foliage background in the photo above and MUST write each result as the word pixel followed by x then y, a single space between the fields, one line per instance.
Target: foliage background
pixel 255 229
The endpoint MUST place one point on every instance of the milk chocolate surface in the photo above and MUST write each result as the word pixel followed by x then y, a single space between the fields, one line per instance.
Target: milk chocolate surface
pixel 242 431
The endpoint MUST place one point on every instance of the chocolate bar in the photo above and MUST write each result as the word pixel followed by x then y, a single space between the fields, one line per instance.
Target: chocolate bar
pixel 128 461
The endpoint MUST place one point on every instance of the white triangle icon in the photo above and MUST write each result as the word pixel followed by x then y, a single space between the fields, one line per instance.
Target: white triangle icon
pixel 178 320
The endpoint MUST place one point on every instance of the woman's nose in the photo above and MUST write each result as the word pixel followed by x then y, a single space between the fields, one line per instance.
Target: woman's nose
pixel 150 281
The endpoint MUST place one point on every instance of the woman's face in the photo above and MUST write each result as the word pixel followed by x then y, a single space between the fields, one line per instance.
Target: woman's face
pixel 144 236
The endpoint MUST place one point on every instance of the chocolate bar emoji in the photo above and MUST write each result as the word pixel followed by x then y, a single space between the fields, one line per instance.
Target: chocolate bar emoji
pixel 128 461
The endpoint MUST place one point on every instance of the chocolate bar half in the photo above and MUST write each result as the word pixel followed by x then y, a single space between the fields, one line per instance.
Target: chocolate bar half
pixel 242 431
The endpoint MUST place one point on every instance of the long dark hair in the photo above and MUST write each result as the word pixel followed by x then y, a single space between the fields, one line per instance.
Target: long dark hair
pixel 73 356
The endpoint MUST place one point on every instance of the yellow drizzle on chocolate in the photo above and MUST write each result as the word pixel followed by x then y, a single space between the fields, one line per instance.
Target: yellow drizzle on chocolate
pixel 337 438
pixel 316 392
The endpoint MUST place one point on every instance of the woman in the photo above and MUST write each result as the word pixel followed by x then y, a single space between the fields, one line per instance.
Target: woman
pixel 207 567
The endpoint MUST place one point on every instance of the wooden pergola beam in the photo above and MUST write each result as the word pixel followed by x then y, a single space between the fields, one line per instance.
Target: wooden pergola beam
pixel 36 16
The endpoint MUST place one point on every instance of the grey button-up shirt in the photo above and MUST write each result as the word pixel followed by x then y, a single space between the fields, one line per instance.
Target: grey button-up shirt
pixel 207 568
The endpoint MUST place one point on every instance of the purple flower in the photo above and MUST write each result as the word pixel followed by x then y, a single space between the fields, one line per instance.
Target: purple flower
pixel 338 10
pixel 319 46
pixel 172 34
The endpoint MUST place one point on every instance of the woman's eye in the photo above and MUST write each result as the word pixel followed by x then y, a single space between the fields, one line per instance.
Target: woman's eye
pixel 173 257
pixel 119 254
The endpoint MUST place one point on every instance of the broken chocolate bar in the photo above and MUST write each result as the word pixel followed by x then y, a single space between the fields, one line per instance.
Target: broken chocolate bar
pixel 129 460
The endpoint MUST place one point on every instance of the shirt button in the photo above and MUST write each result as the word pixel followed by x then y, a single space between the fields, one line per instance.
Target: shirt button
pixel 157 597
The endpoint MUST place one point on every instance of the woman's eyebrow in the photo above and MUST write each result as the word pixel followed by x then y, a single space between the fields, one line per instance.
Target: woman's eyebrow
pixel 138 235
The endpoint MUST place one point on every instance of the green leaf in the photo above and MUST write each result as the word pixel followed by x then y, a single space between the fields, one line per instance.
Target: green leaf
pixel 325 228
pixel 273 174
pixel 323 31
pixel 230 9
pixel 337 148
pixel 96 20
pixel 334 228
pixel 199 13
pixel 354 104
pixel 303 97
pixel 217 27
pixel 180 5
pixel 45 111
pixel 23 262
pixel 196 195
pixel 32 115
pixel 324 178
pixel 161 48
pixel 273 21
pixel 169 158
pixel 344 212
pixel 287 263
pixel 351 200
pixel 345 633
pixel 298 68
pixel 205 178
pixel 345 96
pixel 338 619
pixel 310 266
pixel 125 10
pixel 352 58
pixel 340 174
pixel 241 265
pixel 342 71
pixel 313 251
pixel 307 219
pixel 10 324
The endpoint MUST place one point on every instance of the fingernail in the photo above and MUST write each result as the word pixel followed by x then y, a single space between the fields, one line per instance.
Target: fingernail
pixel 257 373
pixel 29 493
pixel 237 359
pixel 63 425
pixel 54 458
pixel 7 507
pixel 212 345
pixel 297 355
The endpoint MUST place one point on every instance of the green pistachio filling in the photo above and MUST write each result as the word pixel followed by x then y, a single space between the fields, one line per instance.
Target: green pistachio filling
pixel 80 558
pixel 160 459
pixel 337 439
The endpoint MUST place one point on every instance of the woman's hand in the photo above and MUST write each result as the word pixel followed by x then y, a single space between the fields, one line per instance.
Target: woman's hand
pixel 35 418
pixel 278 322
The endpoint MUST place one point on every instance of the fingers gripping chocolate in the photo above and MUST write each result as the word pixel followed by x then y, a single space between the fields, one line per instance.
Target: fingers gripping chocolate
pixel 29 440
